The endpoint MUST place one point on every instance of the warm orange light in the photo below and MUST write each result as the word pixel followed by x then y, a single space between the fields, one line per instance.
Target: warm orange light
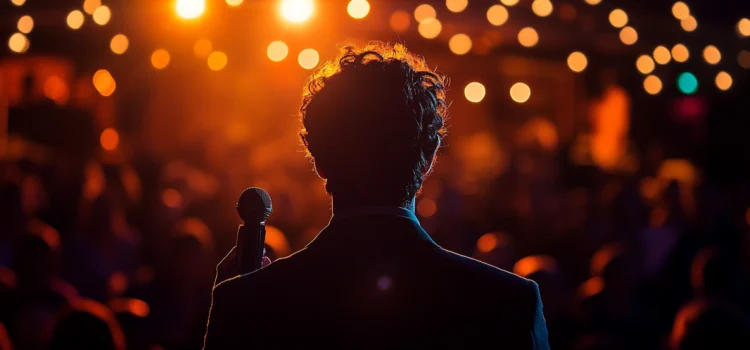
pixel 18 2
pixel 662 55
pixel 109 139
pixel 723 81
pixel 308 58
pixel 689 24
pixel 593 2
pixel 460 44
pixel 202 48
pixel 680 53
pixel 456 5
pixel 160 59
pixel 711 54
pixel 743 27
pixel 400 21
pixel 423 12
pixel 56 89
pixel 277 51
pixel 189 9
pixel 520 92
pixel 426 207
pixel 217 60
pixel 234 3
pixel 358 8
pixel 101 15
pixel 296 11
pixel 577 62
pixel 89 6
pixel 171 198
pixel 18 43
pixel 743 59
pixel 25 24
pixel 430 28
pixel 542 8
pixel 618 18
pixel 497 15
pixel 628 36
pixel 487 243
pixel 75 19
pixel 509 2
pixel 652 84
pixel 475 92
pixel 119 44
pixel 104 82
pixel 528 37
pixel 645 64
pixel 680 10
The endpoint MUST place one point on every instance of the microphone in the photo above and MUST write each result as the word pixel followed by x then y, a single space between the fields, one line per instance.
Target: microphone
pixel 254 206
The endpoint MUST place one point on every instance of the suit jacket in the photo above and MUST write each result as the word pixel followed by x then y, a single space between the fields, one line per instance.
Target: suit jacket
pixel 372 281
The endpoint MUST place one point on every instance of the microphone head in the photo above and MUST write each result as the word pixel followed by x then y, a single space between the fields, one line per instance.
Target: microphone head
pixel 254 205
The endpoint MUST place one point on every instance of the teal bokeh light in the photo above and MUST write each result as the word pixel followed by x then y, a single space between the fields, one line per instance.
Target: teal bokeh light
pixel 687 83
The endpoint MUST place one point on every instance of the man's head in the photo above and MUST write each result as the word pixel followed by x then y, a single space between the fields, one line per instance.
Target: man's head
pixel 372 121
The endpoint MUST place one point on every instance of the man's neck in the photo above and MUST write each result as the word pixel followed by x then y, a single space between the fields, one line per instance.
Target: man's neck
pixel 344 204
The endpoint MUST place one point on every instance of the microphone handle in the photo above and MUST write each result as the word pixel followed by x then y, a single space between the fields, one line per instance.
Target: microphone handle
pixel 250 246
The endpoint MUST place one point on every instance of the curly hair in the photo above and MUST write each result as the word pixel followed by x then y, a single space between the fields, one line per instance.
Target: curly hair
pixel 373 120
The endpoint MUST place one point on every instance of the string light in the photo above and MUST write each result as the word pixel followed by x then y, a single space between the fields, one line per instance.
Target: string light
pixel 358 9
pixel 577 62
pixel 593 2
pixel 101 15
pixel 723 81
pixel 528 37
pixel 109 139
pixel 475 92
pixel 456 5
pixel 202 48
pixel 460 44
pixel 189 9
pixel 217 60
pixel 25 24
pixel 277 51
pixel 662 55
pixel 423 12
pixel 18 43
pixel 618 18
pixel 104 82
pixel 652 84
pixel 430 28
pixel 400 21
pixel 75 19
pixel 89 6
pixel 711 54
pixel 680 10
pixel 297 11
pixel 542 8
pixel 160 59
pixel 234 3
pixel 497 15
pixel 628 36
pixel 689 24
pixel 743 27
pixel 509 2
pixel 687 83
pixel 680 53
pixel 645 64
pixel 119 44
pixel 18 2
pixel 520 92
pixel 308 58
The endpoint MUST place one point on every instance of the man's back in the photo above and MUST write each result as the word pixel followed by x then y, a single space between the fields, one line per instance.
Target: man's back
pixel 374 281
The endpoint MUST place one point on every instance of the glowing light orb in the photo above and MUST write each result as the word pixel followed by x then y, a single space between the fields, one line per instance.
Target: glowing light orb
pixel 297 11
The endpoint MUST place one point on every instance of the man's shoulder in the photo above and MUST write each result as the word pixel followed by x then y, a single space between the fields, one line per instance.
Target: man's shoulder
pixel 258 279
pixel 478 272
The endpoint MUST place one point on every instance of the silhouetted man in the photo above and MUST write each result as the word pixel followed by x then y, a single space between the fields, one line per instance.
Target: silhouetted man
pixel 372 122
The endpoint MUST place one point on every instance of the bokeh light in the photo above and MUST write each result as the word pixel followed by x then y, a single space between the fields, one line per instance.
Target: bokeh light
pixel 689 24
pixel 577 61
pixel 662 55
pixel 217 60
pixel 542 8
pixel 277 51
pixel 423 12
pixel 456 5
pixel 25 24
pixel 75 19
pixel 628 36
pixel 89 6
pixel 104 82
pixel 520 92
pixel 645 64
pixel 56 89
pixel 723 81
pixel 160 59
pixel 189 9
pixel 430 28
pixel 426 207
pixel 18 2
pixel 618 18
pixel 202 48
pixel 743 59
pixel 109 139
pixel 308 58
pixel 528 37
pixel 497 15
pixel 296 11
pixel 593 2
pixel 102 15
pixel 119 44
pixel 18 43
pixel 487 242
pixel 743 27
pixel 687 83
pixel 475 92
pixel 652 84
pixel 680 53
pixel 509 2
pixel 400 21
pixel 358 8
pixel 711 54
pixel 234 3
pixel 460 44
pixel 680 10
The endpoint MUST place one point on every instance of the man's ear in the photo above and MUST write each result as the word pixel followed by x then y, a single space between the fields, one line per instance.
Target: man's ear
pixel 318 170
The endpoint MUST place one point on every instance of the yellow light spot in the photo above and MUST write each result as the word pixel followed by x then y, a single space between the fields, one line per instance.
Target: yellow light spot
pixel 296 11
pixel 475 92
pixel 577 62
pixel 277 51
pixel 89 6
pixel 234 3
pixel 689 24
pixel 119 44
pixel 160 59
pixel 652 84
pixel 400 21
pixel 18 43
pixel 202 48
pixel 520 92
pixel 680 53
pixel 426 207
pixel 509 2
pixel 430 28
pixel 743 27
pixel 101 15
pixel 645 64
pixel 723 81
pixel 497 15
pixel 460 44
pixel 308 58
pixel 358 8
pixel 25 24
pixel 217 60
pixel 628 36
pixel 18 2
pixel 618 18
pixel 680 10
pixel 528 37
pixel 423 12
pixel 743 59
pixel 104 82
pixel 593 2
pixel 662 55
pixel 189 9
pixel 456 5
pixel 542 8
pixel 711 54
pixel 487 243
pixel 56 89
pixel 75 19
pixel 109 139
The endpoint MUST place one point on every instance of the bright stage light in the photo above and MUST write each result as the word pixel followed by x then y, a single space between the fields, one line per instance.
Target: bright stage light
pixel 358 8
pixel 190 9
pixel 296 11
